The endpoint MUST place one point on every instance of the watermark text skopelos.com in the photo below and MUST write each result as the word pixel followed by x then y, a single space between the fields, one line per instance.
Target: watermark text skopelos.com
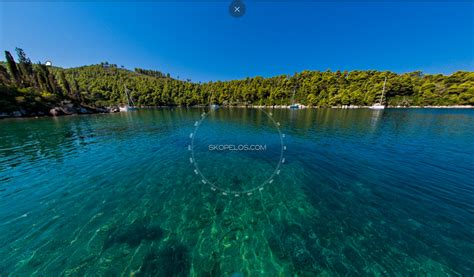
pixel 237 147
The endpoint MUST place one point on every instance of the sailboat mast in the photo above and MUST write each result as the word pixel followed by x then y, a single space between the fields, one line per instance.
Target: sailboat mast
pixel 294 90
pixel 383 90
pixel 293 96
pixel 128 96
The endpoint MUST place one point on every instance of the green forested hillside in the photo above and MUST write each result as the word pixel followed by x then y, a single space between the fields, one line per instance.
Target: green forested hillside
pixel 38 87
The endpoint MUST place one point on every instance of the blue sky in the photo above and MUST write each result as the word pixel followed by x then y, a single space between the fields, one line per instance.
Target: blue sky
pixel 201 41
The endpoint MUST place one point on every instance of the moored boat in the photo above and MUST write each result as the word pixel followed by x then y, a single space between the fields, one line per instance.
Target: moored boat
pixel 380 105
pixel 130 106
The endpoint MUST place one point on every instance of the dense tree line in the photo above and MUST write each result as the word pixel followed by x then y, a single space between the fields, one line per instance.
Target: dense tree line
pixel 310 87
pixel 152 73
pixel 23 83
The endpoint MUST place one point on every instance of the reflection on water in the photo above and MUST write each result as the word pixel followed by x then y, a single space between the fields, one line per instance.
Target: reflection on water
pixel 376 116
pixel 362 192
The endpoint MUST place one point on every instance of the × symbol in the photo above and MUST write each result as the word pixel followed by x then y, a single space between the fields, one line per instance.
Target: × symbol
pixel 237 8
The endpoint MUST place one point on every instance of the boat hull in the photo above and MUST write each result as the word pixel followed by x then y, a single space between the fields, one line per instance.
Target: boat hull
pixel 127 108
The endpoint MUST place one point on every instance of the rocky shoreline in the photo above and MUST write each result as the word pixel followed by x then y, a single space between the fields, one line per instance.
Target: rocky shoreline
pixel 64 108
pixel 67 108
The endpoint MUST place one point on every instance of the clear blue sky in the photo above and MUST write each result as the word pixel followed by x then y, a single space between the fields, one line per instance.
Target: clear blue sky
pixel 201 41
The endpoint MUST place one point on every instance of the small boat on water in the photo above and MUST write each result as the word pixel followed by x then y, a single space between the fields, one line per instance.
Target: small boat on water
pixel 130 104
pixel 127 108
pixel 377 106
pixel 214 106
pixel 380 105
pixel 294 106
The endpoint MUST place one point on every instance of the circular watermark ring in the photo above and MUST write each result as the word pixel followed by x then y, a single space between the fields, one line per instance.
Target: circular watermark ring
pixel 218 188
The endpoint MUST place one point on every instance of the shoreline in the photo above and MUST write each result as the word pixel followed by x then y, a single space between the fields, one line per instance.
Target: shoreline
pixel 349 107
pixel 112 109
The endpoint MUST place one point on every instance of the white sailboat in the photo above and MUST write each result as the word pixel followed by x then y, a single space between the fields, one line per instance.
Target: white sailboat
pixel 212 106
pixel 294 106
pixel 130 104
pixel 380 105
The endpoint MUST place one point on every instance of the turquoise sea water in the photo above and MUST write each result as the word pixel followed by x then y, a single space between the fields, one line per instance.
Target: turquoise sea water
pixel 359 192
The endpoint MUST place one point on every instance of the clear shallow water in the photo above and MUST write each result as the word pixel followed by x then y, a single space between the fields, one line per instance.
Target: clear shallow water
pixel 360 193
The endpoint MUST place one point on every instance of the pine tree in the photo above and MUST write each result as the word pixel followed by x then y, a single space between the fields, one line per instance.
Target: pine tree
pixel 4 77
pixel 12 67
pixel 64 83
pixel 44 78
pixel 24 64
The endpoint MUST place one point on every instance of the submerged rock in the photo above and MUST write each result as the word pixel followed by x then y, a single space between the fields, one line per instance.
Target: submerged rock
pixel 173 260
pixel 134 234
